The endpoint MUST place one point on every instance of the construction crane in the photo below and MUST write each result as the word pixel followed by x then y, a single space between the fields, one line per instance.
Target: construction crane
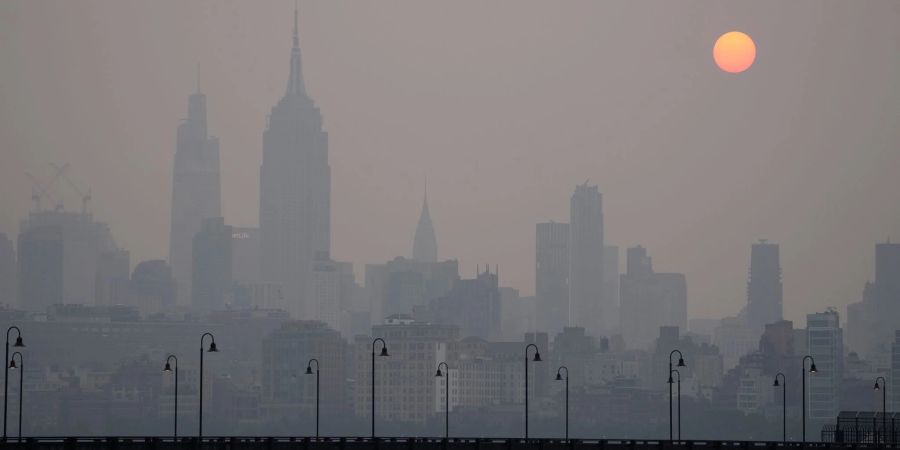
pixel 39 190
pixel 85 196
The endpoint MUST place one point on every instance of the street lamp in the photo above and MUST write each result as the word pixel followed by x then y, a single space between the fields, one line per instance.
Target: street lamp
pixel 678 378
pixel 783 384
pixel 384 352
pixel 883 406
pixel 537 358
pixel 560 378
pixel 446 397
pixel 680 364
pixel 212 348
pixel 168 368
pixel 6 374
pixel 21 367
pixel 812 369
pixel 310 372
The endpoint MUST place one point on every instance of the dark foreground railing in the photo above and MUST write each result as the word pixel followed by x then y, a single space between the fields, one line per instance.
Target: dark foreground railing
pixel 334 443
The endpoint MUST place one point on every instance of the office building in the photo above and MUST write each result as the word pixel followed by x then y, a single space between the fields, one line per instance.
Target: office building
pixel 425 242
pixel 295 188
pixel 212 273
pixel 196 190
pixel 587 307
pixel 473 305
pixel 764 290
pixel 552 276
pixel 650 300
pixel 825 342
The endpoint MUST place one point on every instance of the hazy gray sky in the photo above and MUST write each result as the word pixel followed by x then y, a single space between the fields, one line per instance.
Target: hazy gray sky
pixel 505 106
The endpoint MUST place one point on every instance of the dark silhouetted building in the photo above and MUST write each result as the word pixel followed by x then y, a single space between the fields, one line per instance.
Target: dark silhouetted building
pixel 295 188
pixel 196 190
pixel 650 300
pixel 552 276
pixel 212 278
pixel 764 290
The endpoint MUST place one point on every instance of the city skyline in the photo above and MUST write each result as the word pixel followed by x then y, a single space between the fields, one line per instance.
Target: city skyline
pixel 716 278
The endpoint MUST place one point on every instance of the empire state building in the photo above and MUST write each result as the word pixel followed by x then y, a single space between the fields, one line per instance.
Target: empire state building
pixel 295 189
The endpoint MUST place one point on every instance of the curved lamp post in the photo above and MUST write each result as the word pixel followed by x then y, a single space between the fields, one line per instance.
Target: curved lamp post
pixel 310 372
pixel 559 377
pixel 783 385
pixel 6 375
pixel 677 380
pixel 812 369
pixel 883 407
pixel 21 367
pixel 537 358
pixel 680 364
pixel 168 368
pixel 384 352
pixel 212 348
pixel 446 397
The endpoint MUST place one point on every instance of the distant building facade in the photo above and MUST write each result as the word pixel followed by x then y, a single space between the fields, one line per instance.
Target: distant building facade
pixel 764 289
pixel 473 305
pixel 152 288
pixel 425 242
pixel 196 190
pixel 871 322
pixel 650 300
pixel 59 258
pixel 552 276
pixel 825 342
pixel 286 389
pixel 212 273
pixel 295 188
pixel 398 286
pixel 415 350
pixel 587 307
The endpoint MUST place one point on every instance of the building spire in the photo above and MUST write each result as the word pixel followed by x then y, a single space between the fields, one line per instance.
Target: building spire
pixel 296 34
pixel 295 80
pixel 425 241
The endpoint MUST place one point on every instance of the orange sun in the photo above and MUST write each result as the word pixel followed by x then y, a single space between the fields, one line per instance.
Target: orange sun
pixel 734 52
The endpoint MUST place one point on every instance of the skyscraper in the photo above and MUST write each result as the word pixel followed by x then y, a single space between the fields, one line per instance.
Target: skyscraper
pixel 871 322
pixel 552 276
pixel 40 267
pixel 825 340
pixel 587 307
pixel 295 188
pixel 650 300
pixel 196 190
pixel 764 291
pixel 212 273
pixel 60 256
pixel 425 242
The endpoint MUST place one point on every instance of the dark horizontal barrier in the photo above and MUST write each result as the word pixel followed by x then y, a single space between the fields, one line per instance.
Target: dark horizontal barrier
pixel 354 443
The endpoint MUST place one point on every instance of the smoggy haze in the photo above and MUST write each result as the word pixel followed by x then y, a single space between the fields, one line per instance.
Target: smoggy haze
pixel 505 106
